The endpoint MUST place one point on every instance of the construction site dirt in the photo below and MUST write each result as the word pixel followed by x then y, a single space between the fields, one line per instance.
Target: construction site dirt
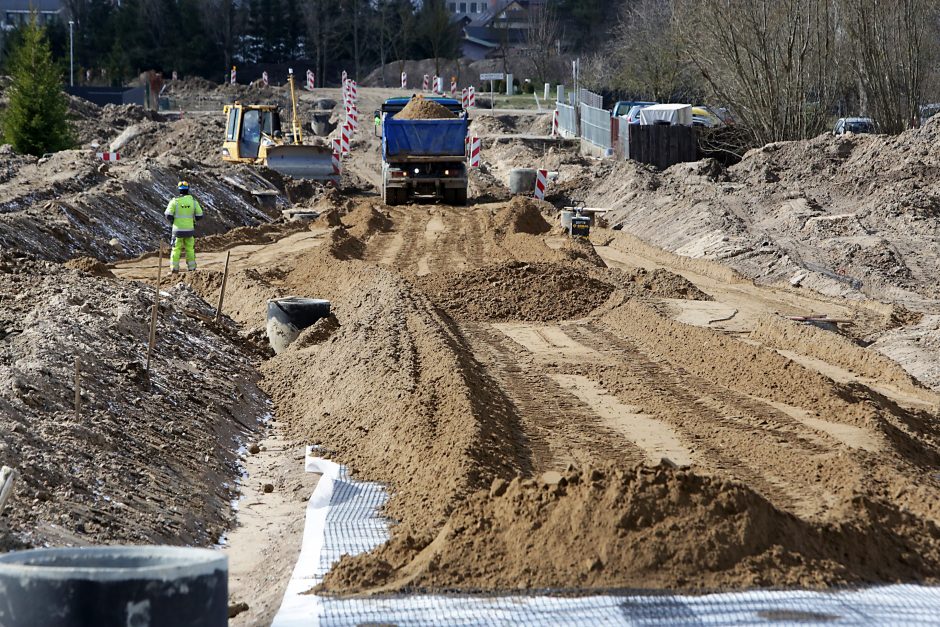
pixel 644 409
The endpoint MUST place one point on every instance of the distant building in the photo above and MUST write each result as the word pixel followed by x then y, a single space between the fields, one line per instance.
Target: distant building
pixel 471 9
pixel 493 27
pixel 16 12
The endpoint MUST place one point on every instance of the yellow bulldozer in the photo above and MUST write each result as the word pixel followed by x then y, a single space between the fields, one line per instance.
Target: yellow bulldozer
pixel 253 134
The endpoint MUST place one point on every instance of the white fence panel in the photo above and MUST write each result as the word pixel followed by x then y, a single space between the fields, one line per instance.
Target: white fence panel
pixel 595 125
pixel 567 120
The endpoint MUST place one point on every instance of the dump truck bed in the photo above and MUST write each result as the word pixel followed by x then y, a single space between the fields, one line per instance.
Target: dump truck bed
pixel 423 139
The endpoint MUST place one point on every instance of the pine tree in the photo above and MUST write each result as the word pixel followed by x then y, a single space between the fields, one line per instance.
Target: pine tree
pixel 35 121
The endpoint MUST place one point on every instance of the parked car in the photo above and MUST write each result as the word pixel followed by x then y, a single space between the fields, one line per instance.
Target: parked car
pixel 928 111
pixel 622 107
pixel 633 116
pixel 854 125
pixel 704 116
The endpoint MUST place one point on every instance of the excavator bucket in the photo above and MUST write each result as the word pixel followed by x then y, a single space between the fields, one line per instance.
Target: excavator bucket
pixel 304 162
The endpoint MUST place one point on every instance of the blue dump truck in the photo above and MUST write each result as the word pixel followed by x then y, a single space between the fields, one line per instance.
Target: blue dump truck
pixel 424 158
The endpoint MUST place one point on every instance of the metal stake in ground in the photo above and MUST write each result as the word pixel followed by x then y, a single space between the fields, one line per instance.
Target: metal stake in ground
pixel 156 308
pixel 78 387
pixel 218 308
pixel 7 477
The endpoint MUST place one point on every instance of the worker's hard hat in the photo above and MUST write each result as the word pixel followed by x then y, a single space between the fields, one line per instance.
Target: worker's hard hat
pixel 182 186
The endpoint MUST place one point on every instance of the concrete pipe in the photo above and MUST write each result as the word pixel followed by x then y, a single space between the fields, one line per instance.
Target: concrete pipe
pixel 287 317
pixel 114 585
pixel 522 181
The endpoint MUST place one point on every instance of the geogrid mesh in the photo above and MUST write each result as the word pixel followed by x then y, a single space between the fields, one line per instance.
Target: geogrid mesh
pixel 353 525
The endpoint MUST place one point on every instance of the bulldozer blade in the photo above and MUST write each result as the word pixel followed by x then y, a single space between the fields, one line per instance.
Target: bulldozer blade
pixel 304 162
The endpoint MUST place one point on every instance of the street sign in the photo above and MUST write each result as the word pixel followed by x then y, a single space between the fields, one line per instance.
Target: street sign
pixel 492 76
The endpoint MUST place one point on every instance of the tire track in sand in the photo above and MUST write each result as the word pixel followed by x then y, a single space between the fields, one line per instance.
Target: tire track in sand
pixel 561 428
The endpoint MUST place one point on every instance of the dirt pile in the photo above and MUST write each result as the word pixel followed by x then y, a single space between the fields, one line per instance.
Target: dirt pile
pixel 64 206
pixel 517 290
pixel 90 265
pixel 835 214
pixel 94 125
pixel 612 527
pixel 152 459
pixel 394 386
pixel 419 108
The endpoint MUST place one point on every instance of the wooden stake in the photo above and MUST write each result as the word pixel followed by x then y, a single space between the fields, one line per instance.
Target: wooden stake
pixel 218 308
pixel 156 308
pixel 7 476
pixel 78 387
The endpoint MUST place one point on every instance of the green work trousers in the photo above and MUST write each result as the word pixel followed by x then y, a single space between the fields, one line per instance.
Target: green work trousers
pixel 178 243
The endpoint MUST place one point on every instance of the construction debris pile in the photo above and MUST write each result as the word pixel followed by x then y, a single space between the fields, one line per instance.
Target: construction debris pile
pixel 138 457
pixel 836 214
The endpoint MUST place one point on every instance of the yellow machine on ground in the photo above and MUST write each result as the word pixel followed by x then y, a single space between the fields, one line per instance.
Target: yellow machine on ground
pixel 253 135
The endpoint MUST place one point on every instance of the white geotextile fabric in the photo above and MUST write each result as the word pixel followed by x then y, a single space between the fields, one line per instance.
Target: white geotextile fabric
pixel 342 517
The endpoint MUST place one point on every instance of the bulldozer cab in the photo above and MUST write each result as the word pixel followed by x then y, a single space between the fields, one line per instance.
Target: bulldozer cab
pixel 253 135
pixel 246 126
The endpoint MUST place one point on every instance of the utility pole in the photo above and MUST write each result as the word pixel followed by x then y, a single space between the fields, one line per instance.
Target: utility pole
pixel 71 56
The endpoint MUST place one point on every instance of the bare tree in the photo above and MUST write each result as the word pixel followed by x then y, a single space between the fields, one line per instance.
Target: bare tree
pixel 647 53
pixel 888 42
pixel 543 40
pixel 774 62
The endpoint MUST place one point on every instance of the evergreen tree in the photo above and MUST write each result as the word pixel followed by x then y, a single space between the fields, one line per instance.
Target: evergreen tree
pixel 35 120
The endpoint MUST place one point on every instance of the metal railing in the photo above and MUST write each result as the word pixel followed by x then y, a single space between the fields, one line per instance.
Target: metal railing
pixel 567 120
pixel 595 125
pixel 591 99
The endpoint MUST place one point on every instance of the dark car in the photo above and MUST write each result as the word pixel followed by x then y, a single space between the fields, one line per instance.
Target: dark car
pixel 854 125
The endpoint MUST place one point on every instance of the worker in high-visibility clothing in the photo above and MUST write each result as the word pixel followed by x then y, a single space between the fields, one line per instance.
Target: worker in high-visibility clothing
pixel 183 211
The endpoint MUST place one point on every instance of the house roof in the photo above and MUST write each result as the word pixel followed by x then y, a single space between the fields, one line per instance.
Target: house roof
pixel 43 6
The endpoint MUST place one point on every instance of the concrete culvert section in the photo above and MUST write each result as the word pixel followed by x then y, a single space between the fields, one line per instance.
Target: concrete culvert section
pixel 143 585
pixel 288 317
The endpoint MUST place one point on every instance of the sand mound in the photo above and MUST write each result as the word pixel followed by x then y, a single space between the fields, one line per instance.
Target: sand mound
pixel 91 266
pixel 518 290
pixel 419 108
pixel 610 527
pixel 444 426
pixel 521 215
pixel 366 219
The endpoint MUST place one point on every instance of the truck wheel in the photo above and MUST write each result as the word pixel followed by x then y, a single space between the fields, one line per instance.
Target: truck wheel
pixel 391 196
pixel 460 197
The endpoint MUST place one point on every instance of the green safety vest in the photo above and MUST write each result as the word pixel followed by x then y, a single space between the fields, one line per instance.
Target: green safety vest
pixel 184 210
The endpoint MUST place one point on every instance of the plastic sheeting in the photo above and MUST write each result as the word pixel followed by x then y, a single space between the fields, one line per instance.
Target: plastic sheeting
pixel 342 517
pixel 424 138
pixel 667 114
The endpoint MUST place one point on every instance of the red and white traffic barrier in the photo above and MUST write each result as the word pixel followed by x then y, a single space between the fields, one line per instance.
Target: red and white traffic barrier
pixel 233 75
pixel 345 76
pixel 344 138
pixel 555 123
pixel 311 80
pixel 175 76
pixel 464 98
pixel 353 92
pixel 264 78
pixel 109 156
pixel 425 83
pixel 541 182
pixel 337 157
pixel 352 117
pixel 471 97
pixel 475 146
pixel 453 87
pixel 404 80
